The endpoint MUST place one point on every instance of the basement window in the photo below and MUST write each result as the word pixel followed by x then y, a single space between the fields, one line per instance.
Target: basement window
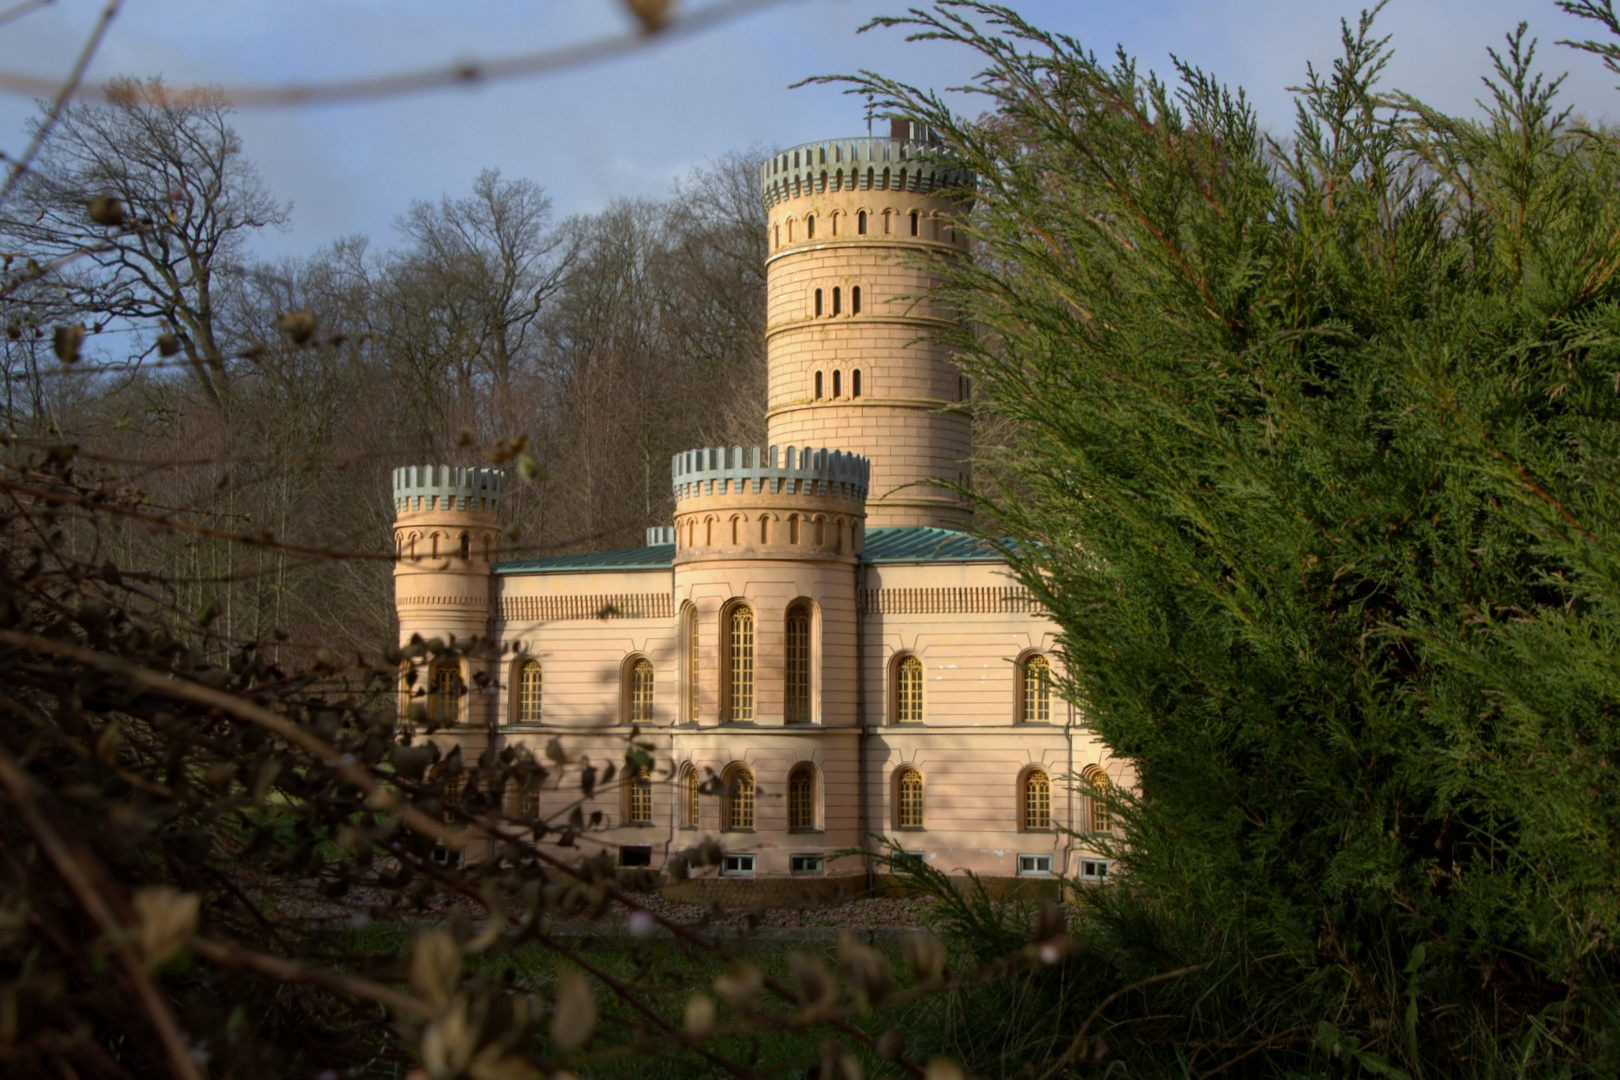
pixel 737 865
pixel 1037 865
pixel 635 855
pixel 807 864
pixel 1094 870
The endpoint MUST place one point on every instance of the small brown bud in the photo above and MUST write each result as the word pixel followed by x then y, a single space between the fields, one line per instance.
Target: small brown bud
pixel 925 955
pixel 106 210
pixel 297 325
pixel 815 983
pixel 891 1045
pixel 167 344
pixel 65 342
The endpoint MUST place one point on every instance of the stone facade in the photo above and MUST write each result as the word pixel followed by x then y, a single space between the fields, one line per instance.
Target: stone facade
pixel 820 652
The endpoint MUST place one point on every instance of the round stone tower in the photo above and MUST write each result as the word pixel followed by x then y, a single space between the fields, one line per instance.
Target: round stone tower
pixel 446 538
pixel 849 326
pixel 778 534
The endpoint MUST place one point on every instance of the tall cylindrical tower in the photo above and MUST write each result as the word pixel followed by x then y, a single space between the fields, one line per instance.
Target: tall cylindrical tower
pixel 446 538
pixel 776 535
pixel 849 323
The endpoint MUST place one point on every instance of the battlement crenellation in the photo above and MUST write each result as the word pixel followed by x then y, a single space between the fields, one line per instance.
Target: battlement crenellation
pixel 445 487
pixel 866 163
pixel 782 470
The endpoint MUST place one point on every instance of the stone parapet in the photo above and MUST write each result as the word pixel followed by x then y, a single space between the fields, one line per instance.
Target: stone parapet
pixel 780 471
pixel 860 164
pixel 443 487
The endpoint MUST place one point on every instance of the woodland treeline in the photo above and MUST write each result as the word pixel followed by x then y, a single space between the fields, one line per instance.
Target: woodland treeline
pixel 271 399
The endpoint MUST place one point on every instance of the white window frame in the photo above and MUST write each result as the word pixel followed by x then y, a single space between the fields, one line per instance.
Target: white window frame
pixel 807 864
pixel 1096 871
pixel 738 864
pixel 1029 864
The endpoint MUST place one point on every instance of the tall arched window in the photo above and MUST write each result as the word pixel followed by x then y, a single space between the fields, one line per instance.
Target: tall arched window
pixel 914 223
pixel 1037 799
pixel 810 227
pixel 838 383
pixel 444 695
pixel 802 798
pixel 860 223
pixel 641 691
pixel 689 797
pixel 1037 704
pixel 638 797
pixel 908 799
pixel 741 657
pixel 739 804
pixel 1102 819
pixel 908 691
pixel 838 300
pixel 818 303
pixel 528 696
pixel 818 386
pixel 855 300
pixel 855 382
pixel 796 706
pixel 466 547
pixel 690 668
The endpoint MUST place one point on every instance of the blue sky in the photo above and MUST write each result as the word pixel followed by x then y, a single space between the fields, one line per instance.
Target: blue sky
pixel 628 127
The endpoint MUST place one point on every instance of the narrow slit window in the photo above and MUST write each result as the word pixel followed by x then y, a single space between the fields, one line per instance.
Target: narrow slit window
pixel 640 798
pixel 818 303
pixel 797 705
pixel 855 383
pixel 641 692
pixel 689 797
pixel 810 227
pixel 914 223
pixel 855 300
pixel 818 386
pixel 860 223
pixel 838 383
pixel 1037 801
pixel 838 300
pixel 692 664
pixel 742 665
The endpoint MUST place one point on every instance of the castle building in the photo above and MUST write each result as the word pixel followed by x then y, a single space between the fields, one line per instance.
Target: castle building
pixel 814 648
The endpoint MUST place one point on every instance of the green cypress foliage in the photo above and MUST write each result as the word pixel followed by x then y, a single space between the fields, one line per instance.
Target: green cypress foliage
pixel 1317 463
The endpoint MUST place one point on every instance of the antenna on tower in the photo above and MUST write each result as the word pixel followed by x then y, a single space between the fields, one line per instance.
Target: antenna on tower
pixel 868 116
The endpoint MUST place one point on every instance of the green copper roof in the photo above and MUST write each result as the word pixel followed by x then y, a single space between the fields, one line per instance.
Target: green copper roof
pixel 657 557
pixel 898 545
pixel 920 544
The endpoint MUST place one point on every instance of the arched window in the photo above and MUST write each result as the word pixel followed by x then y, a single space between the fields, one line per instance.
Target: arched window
pixel 736 525
pixel 793 529
pixel 914 223
pixel 466 547
pixel 1102 820
pixel 810 227
pixel 1037 799
pixel 838 300
pixel 690 668
pixel 855 300
pixel 444 695
pixel 855 379
pixel 689 798
pixel 908 799
pixel 802 798
pixel 528 692
pixel 860 223
pixel 455 784
pixel 435 552
pixel 641 691
pixel 1037 695
pixel 796 706
pixel 638 797
pixel 739 804
pixel 818 303
pixel 908 691
pixel 818 386
pixel 741 657
pixel 838 383
pixel 764 528
pixel 777 235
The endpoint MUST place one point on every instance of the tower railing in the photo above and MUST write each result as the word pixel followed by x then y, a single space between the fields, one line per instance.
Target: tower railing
pixel 444 487
pixel 788 470
pixel 860 164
